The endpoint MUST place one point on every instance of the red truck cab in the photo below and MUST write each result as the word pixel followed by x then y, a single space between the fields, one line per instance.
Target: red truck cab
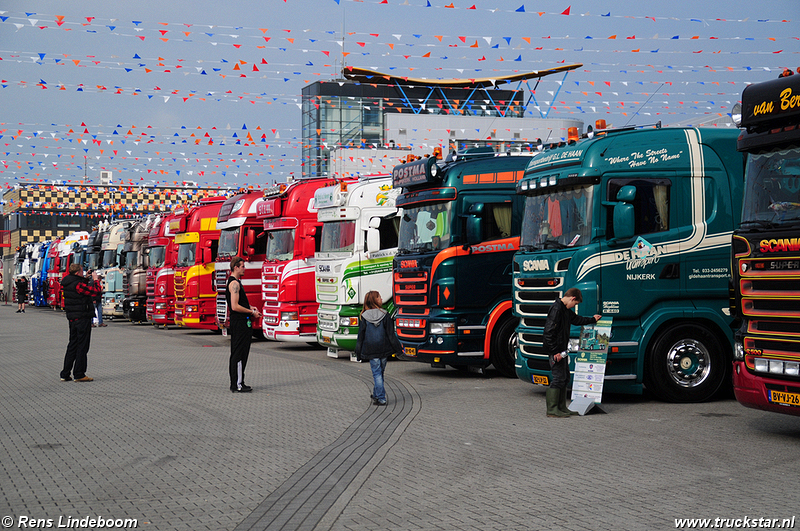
pixel 197 241
pixel 240 235
pixel 292 234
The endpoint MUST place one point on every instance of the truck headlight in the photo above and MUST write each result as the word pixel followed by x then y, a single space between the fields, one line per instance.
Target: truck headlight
pixel 738 351
pixel 288 316
pixel 348 321
pixel 443 328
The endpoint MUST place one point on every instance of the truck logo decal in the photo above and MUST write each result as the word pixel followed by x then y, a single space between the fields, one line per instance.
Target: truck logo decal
pixel 536 265
pixel 651 156
pixel 782 244
pixel 493 248
pixel 697 241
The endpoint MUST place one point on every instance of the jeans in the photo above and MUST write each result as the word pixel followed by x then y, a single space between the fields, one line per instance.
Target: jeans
pixel 98 308
pixel 378 367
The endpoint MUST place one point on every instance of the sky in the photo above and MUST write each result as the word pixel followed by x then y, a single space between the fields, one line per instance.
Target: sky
pixel 210 92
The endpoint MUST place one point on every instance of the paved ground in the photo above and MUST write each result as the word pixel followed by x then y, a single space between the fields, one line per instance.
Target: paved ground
pixel 159 438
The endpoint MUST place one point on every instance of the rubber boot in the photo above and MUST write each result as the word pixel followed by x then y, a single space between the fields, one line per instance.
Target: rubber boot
pixel 551 397
pixel 562 403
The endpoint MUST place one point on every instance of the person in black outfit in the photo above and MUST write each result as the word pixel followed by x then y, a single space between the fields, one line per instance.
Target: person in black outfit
pixel 376 341
pixel 22 293
pixel 241 325
pixel 78 294
pixel 556 338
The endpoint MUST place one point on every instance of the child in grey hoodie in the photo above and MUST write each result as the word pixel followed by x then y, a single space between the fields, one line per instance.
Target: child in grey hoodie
pixel 376 342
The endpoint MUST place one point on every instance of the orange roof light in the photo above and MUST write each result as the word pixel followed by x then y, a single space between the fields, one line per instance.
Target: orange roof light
pixel 572 134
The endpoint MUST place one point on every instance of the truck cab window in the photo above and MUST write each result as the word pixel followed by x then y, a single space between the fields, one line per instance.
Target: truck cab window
pixel 651 205
pixel 497 221
pixel 389 230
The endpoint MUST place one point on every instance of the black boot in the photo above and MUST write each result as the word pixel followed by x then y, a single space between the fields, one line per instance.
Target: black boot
pixel 551 397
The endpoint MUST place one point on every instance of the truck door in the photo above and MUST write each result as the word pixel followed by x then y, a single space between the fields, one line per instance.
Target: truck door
pixel 643 269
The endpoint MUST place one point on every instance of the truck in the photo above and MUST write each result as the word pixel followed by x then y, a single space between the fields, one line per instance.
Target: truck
pixel 291 230
pixel 765 250
pixel 112 268
pixel 136 265
pixel 360 225
pixel 38 281
pixel 160 305
pixel 240 235
pixel 197 241
pixel 53 273
pixel 459 230
pixel 640 220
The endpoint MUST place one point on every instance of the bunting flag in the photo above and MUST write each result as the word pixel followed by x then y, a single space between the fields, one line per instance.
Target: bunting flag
pixel 177 78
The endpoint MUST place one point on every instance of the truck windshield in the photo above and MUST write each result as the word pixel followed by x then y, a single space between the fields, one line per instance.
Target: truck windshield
pixel 280 244
pixel 157 255
pixel 562 218
pixel 772 188
pixel 186 254
pixel 425 228
pixel 92 261
pixel 109 258
pixel 228 242
pixel 338 236
pixel 132 259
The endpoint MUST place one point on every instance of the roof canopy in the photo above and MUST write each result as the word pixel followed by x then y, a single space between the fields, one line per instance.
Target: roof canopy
pixel 365 75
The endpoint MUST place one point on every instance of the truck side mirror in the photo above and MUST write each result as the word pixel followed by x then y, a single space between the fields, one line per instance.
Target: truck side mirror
pixel 623 213
pixel 206 255
pixel 308 247
pixel 249 238
pixel 373 239
pixel 474 229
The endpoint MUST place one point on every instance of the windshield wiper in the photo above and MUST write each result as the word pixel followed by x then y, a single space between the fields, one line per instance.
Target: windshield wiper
pixel 555 243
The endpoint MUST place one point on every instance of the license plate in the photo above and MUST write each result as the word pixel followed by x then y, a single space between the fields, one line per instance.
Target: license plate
pixel 789 399
pixel 540 380
pixel 410 351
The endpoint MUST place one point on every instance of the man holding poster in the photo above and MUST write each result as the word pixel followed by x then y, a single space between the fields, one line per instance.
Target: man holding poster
pixel 556 338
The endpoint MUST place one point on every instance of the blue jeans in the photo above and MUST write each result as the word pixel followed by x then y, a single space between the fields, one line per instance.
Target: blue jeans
pixel 98 309
pixel 378 367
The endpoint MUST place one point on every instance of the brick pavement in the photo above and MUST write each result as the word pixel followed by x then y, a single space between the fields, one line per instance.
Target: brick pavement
pixel 159 437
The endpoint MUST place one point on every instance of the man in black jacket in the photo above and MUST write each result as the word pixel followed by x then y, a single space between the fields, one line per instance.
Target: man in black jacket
pixel 78 294
pixel 556 340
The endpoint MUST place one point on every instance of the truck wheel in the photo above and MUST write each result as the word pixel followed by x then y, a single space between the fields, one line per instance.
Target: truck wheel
pixel 504 348
pixel 686 364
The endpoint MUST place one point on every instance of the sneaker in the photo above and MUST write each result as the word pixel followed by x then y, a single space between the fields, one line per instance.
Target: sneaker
pixel 241 390
pixel 84 379
pixel 67 379
pixel 19 311
pixel 246 388
pixel 381 403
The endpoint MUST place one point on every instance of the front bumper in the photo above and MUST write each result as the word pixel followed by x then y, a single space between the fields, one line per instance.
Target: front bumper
pixel 752 391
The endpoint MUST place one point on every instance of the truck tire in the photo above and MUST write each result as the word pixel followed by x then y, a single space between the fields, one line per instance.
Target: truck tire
pixel 686 363
pixel 504 347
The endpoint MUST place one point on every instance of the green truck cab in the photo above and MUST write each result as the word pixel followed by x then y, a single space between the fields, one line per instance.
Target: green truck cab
pixel 640 220
pixel 452 273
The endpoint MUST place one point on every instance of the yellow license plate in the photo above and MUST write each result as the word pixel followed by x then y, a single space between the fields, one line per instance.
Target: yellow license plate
pixel 541 380
pixel 789 399
pixel 410 351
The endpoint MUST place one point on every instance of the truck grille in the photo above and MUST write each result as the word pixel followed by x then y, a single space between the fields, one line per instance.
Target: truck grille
pixel 411 288
pixel 151 284
pixel 411 297
pixel 270 282
pixel 220 277
pixel 180 285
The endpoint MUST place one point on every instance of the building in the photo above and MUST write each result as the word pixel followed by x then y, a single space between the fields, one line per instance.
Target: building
pixel 367 122
pixel 35 212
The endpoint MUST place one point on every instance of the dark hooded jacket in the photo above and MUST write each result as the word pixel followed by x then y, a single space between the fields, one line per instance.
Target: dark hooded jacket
pixel 556 328
pixel 376 336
